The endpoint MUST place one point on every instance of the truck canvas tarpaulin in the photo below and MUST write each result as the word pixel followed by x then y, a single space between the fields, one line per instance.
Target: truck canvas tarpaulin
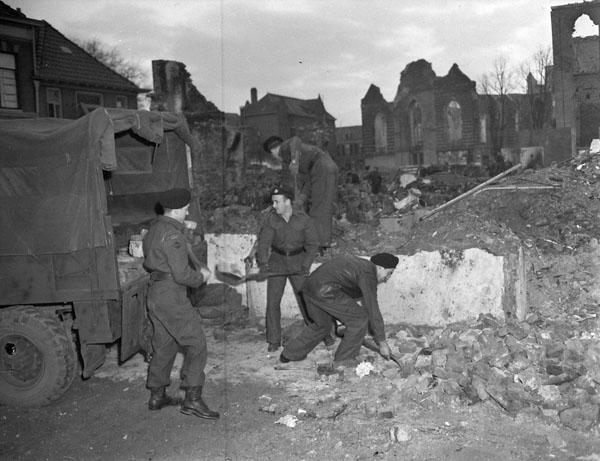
pixel 52 191
pixel 60 183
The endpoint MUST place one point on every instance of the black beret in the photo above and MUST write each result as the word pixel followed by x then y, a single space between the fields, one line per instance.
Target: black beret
pixel 271 142
pixel 283 190
pixel 385 260
pixel 175 198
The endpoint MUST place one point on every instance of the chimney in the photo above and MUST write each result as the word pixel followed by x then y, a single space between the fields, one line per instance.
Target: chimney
pixel 253 97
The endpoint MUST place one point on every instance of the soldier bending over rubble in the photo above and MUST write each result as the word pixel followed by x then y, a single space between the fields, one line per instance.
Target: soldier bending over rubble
pixel 330 292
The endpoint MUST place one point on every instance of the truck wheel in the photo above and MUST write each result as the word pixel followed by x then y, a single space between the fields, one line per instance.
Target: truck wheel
pixel 38 360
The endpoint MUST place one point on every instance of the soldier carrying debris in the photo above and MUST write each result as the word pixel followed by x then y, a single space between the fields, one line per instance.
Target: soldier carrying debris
pixel 315 174
pixel 330 292
pixel 176 323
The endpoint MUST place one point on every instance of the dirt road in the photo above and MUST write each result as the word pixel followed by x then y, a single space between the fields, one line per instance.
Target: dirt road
pixel 340 416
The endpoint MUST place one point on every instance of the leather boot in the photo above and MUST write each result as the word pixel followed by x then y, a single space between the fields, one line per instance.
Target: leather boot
pixel 194 405
pixel 159 399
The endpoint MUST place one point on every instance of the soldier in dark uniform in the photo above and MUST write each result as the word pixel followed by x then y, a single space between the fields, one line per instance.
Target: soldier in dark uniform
pixel 330 292
pixel 316 174
pixel 287 242
pixel 176 323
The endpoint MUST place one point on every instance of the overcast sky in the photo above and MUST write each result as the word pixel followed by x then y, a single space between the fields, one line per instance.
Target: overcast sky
pixel 303 48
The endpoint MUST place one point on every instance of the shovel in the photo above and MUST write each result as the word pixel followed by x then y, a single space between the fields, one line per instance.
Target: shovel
pixel 372 345
pixel 233 279
pixel 369 343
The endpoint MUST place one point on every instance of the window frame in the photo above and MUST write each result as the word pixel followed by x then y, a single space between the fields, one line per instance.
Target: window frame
pixel 15 80
pixel 122 98
pixel 90 93
pixel 48 103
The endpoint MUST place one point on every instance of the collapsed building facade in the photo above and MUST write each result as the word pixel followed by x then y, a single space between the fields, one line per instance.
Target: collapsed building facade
pixel 441 120
pixel 576 71
pixel 444 120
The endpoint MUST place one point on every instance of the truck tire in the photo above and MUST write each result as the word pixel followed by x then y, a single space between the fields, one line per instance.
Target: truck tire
pixel 38 360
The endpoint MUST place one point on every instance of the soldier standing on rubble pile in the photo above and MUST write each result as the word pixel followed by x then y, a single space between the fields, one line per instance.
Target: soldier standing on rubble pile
pixel 315 175
pixel 330 292
pixel 287 242
pixel 176 323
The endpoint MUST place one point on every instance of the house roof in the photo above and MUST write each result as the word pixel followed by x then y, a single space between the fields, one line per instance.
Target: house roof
pixel 294 106
pixel 60 60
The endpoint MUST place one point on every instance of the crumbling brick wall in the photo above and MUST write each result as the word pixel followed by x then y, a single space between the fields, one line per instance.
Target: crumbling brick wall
pixel 574 58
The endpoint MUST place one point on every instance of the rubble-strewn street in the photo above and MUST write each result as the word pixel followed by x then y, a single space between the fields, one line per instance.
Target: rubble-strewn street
pixel 547 364
pixel 383 242
pixel 486 389
pixel 389 413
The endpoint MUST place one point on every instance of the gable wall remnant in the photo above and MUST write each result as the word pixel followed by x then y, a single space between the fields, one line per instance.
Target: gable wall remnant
pixel 576 70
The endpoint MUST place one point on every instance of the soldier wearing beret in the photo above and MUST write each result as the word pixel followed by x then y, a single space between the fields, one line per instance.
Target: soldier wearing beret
pixel 330 292
pixel 176 323
pixel 316 175
pixel 287 242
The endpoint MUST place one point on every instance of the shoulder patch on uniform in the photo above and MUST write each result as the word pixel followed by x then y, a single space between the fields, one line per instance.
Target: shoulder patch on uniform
pixel 171 236
pixel 174 239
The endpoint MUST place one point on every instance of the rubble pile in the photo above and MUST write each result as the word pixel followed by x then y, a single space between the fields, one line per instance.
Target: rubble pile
pixel 548 364
pixel 538 366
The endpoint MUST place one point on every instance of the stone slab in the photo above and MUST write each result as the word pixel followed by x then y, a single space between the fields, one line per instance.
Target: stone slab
pixel 428 288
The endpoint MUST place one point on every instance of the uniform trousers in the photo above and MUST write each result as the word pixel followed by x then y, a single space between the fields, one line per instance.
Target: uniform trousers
pixel 275 289
pixel 321 312
pixel 177 326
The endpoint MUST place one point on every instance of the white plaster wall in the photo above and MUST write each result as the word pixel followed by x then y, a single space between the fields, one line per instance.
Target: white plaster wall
pixel 424 289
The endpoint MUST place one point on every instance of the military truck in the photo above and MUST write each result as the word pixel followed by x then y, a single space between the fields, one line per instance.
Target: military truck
pixel 66 290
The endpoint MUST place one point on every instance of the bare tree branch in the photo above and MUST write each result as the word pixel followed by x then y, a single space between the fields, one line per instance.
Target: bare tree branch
pixel 111 57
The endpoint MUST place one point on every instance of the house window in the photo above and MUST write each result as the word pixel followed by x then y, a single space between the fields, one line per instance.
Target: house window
pixel 121 102
pixel 454 120
pixel 87 99
pixel 8 81
pixel 54 102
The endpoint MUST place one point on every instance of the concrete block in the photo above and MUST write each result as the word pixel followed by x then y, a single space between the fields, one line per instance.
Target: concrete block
pixel 428 288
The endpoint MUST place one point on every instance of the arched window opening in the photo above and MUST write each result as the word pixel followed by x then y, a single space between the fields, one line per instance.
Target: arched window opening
pixel 380 134
pixel 416 124
pixel 454 121
pixel 483 129
pixel 538 113
pixel 584 27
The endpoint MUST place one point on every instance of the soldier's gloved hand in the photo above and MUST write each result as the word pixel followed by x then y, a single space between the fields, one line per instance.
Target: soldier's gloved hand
pixel 262 268
pixel 206 273
pixel 384 350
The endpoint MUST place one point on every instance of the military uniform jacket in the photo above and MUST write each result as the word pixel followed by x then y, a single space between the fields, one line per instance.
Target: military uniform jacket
pixel 308 157
pixel 165 250
pixel 299 232
pixel 353 276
